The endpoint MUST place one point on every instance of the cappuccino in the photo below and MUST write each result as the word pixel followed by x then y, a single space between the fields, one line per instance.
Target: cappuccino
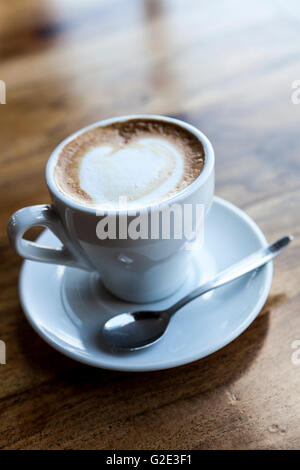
pixel 145 161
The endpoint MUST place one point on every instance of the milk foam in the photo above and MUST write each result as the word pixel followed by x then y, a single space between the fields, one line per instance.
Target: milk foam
pixel 143 171
pixel 143 161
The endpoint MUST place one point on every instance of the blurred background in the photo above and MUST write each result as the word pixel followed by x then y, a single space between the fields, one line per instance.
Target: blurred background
pixel 225 66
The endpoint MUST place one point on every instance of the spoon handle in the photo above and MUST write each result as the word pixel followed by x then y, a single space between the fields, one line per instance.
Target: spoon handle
pixel 239 269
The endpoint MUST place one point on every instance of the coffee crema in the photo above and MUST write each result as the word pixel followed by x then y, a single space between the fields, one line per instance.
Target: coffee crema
pixel 145 161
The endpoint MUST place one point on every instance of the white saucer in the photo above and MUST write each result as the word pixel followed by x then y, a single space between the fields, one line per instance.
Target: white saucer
pixel 67 306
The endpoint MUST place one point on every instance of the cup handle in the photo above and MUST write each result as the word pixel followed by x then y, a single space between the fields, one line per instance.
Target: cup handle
pixel 42 215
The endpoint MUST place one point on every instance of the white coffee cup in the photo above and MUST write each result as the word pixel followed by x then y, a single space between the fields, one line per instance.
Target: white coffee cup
pixel 141 270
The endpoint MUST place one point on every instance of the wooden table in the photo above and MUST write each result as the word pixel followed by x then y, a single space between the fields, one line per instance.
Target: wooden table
pixel 226 67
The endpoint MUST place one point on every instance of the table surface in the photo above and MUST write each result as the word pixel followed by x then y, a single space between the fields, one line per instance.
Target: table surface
pixel 226 67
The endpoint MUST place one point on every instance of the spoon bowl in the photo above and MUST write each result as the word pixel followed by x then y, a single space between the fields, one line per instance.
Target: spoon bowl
pixel 145 326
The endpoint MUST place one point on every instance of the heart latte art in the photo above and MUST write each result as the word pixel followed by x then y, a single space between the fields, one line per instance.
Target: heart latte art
pixel 140 160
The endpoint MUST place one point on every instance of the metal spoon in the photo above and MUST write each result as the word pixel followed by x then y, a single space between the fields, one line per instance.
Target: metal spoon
pixel 135 330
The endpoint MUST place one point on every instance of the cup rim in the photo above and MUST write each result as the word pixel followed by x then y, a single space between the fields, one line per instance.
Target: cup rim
pixel 176 198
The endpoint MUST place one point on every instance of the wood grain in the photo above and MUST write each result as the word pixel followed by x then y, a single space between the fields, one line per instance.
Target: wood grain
pixel 227 67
